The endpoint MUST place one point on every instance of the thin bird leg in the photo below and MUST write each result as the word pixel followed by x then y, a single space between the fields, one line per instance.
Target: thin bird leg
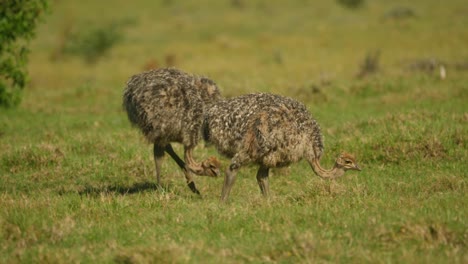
pixel 262 180
pixel 158 154
pixel 182 165
pixel 174 156
pixel 229 180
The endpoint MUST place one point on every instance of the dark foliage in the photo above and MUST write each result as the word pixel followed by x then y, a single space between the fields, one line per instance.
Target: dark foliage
pixel 18 20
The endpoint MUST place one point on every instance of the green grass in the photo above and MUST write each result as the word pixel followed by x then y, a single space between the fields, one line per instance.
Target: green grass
pixel 77 182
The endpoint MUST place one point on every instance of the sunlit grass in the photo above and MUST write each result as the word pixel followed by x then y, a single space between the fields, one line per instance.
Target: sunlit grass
pixel 77 182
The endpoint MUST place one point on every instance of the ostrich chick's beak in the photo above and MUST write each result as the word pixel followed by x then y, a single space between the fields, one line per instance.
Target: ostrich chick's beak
pixel 356 167
pixel 215 172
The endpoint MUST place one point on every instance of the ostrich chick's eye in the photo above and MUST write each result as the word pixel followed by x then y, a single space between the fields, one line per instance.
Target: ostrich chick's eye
pixel 348 162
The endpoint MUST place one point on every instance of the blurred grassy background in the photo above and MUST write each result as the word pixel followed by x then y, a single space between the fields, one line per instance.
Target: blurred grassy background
pixel 77 181
pixel 250 47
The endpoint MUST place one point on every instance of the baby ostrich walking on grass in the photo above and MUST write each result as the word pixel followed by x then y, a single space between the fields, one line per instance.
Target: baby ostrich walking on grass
pixel 271 131
pixel 167 105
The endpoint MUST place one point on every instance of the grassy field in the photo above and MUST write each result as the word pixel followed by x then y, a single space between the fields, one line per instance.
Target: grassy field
pixel 77 182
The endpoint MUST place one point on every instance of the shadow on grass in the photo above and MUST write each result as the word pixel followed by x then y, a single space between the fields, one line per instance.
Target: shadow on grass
pixel 138 187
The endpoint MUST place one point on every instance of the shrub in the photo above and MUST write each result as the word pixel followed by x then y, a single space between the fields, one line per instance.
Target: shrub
pixel 18 21
pixel 351 3
pixel 92 44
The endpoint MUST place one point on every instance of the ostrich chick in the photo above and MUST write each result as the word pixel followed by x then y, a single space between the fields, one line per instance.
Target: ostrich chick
pixel 167 105
pixel 271 131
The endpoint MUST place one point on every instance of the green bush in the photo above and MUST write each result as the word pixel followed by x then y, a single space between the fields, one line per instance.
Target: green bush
pixel 18 20
pixel 351 3
pixel 92 44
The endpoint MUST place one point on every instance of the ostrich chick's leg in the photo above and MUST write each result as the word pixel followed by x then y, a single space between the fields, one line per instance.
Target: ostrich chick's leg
pixel 158 154
pixel 262 179
pixel 229 180
pixel 182 165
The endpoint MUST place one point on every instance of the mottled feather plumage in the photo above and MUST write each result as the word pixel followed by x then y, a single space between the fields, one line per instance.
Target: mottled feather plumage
pixel 167 105
pixel 271 131
pixel 263 128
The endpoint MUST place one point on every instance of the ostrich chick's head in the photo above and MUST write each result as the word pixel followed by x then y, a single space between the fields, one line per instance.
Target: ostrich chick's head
pixel 346 162
pixel 211 167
